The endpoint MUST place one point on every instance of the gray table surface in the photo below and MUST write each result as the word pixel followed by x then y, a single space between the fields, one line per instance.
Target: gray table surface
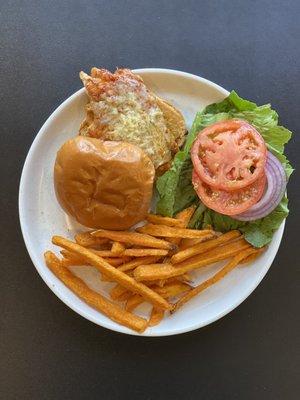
pixel 48 351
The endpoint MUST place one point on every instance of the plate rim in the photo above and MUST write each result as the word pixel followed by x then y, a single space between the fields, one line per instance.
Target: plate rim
pixel 55 288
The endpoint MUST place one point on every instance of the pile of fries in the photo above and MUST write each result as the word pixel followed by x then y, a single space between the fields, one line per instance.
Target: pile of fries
pixel 151 264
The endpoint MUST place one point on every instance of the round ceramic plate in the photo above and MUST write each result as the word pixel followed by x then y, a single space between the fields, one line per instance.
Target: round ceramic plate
pixel 41 217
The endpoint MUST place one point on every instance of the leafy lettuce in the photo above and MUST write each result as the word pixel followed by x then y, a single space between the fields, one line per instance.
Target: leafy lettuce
pixel 175 187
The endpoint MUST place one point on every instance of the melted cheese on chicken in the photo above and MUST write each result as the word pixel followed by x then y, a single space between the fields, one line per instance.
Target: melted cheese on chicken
pixel 121 108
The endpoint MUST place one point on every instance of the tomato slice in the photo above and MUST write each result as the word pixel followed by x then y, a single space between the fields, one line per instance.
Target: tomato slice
pixel 229 203
pixel 229 155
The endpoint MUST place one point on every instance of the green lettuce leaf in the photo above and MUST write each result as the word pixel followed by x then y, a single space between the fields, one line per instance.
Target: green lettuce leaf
pixel 175 186
pixel 260 232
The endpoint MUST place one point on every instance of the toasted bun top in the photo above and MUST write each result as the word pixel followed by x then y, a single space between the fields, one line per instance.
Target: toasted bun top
pixel 103 184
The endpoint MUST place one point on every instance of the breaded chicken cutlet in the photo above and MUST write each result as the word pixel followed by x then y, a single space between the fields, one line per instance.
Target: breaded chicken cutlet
pixel 121 108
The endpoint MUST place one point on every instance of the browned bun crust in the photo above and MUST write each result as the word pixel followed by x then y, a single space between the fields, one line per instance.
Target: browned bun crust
pixel 174 121
pixel 103 184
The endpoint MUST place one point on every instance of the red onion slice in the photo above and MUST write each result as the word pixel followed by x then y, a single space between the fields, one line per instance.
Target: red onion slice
pixel 276 185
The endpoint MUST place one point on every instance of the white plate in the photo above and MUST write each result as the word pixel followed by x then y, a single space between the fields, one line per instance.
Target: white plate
pixel 41 217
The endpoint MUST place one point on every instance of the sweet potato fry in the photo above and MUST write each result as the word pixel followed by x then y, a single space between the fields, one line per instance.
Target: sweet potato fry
pixel 85 239
pixel 184 216
pixel 185 277
pixel 105 253
pixel 133 302
pixel 162 282
pixel 218 254
pixel 66 262
pixel 72 257
pixel 125 296
pixel 159 220
pixel 132 253
pixel 108 255
pixel 217 277
pixel 145 252
pixel 172 289
pixel 113 273
pixel 154 272
pixel 116 262
pixel 124 258
pixel 203 247
pixel 92 298
pixel 186 243
pixel 117 292
pixel 182 278
pixel 156 316
pixel 104 278
pixel 253 256
pixel 168 231
pixel 117 248
pixel 134 238
pixel 139 261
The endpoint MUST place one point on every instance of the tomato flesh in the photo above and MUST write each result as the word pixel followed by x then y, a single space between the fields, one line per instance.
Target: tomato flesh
pixel 229 155
pixel 229 203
